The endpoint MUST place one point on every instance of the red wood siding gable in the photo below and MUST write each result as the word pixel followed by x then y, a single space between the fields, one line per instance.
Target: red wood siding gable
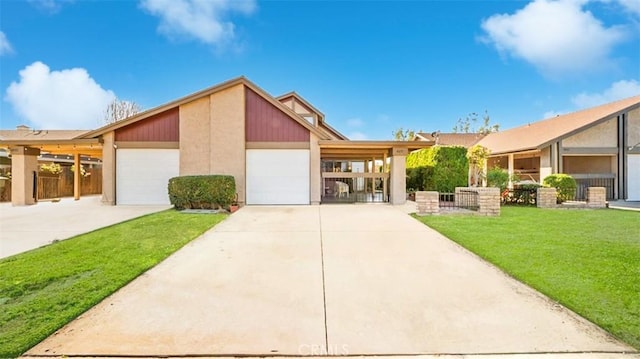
pixel 162 127
pixel 267 123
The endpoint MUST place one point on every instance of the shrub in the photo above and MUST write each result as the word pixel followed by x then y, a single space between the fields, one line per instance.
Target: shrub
pixel 439 168
pixel 210 191
pixel 564 184
pixel 498 177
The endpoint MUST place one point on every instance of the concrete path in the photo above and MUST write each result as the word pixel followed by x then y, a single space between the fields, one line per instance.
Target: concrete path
pixel 28 227
pixel 337 280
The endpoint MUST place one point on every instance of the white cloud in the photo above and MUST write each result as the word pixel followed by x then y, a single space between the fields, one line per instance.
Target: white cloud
pixel 51 6
pixel 357 136
pixel 556 36
pixel 66 99
pixel 5 45
pixel 355 122
pixel 633 6
pixel 617 91
pixel 204 20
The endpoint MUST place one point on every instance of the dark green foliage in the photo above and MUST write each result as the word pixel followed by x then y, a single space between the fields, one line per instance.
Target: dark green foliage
pixel 438 168
pixel 564 184
pixel 497 177
pixel 212 191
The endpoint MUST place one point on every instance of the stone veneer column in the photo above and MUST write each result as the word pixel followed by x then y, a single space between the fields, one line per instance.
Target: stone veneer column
pixel 398 175
pixel 427 202
pixel 547 197
pixel 488 201
pixel 596 197
pixel 24 170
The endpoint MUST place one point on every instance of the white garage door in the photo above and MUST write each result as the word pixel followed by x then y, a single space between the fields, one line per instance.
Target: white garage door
pixel 633 178
pixel 142 175
pixel 277 176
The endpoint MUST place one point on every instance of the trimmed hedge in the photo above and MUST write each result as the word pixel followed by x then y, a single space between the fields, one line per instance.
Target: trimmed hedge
pixel 438 168
pixel 208 191
pixel 564 184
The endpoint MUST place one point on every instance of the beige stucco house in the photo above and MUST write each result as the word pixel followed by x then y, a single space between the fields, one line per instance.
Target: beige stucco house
pixel 599 146
pixel 280 150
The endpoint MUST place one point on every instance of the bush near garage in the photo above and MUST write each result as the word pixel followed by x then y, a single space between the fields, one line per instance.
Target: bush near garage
pixel 438 168
pixel 207 191
pixel 564 184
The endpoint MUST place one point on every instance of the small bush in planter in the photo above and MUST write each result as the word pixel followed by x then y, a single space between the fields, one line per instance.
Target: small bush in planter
pixel 207 191
pixel 564 184
pixel 497 177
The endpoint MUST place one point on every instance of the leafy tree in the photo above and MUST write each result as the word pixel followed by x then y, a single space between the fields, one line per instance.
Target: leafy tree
pixel 468 124
pixel 403 135
pixel 477 156
pixel 118 110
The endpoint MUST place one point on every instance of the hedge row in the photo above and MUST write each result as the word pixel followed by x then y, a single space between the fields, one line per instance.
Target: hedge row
pixel 209 191
pixel 438 168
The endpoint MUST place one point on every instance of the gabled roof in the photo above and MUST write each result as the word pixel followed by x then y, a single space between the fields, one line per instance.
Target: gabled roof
pixel 321 122
pixel 206 92
pixel 540 134
pixel 450 139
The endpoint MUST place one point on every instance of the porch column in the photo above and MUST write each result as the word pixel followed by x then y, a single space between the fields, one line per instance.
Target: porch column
pixel 108 169
pixel 77 175
pixel 24 172
pixel 398 176
pixel 510 170
pixel 385 169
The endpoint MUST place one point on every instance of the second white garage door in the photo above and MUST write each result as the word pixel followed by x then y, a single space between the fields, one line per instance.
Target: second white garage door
pixel 142 175
pixel 277 176
pixel 633 178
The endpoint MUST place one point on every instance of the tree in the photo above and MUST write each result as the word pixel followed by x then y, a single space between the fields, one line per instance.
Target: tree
pixel 118 110
pixel 477 156
pixel 403 135
pixel 468 124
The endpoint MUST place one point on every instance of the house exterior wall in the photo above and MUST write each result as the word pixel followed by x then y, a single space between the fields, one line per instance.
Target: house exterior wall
pixel 162 127
pixel 588 164
pixel 315 168
pixel 195 137
pixel 108 169
pixel 227 147
pixel 633 127
pixel 267 123
pixel 602 135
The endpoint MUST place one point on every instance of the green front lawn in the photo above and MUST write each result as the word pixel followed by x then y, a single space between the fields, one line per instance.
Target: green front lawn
pixel 588 260
pixel 42 290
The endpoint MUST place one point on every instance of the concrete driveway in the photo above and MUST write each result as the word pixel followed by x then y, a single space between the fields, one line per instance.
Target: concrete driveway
pixel 28 227
pixel 337 280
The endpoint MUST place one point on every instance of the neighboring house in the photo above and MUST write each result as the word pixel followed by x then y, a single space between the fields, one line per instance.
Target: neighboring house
pixel 599 146
pixel 279 150
pixel 450 139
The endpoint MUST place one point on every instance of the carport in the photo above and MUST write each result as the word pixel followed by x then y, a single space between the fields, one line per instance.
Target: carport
pixel 25 145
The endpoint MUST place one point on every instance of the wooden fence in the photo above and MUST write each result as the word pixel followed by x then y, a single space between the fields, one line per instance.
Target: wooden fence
pixel 61 185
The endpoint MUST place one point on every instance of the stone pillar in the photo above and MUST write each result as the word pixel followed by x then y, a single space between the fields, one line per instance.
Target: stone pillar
pixel 399 176
pixel 108 169
pixel 596 197
pixel 547 197
pixel 488 201
pixel 24 172
pixel 427 202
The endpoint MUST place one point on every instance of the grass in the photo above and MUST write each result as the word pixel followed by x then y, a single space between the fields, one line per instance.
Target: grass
pixel 587 260
pixel 44 289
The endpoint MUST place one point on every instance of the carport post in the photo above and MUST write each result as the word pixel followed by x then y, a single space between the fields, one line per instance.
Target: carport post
pixel 24 169
pixel 76 176
pixel 399 175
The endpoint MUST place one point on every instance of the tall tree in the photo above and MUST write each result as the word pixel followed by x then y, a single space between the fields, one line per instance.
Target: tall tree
pixel 470 124
pixel 403 135
pixel 118 110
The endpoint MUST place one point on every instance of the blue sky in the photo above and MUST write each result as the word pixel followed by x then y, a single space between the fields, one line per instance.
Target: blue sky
pixel 370 66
